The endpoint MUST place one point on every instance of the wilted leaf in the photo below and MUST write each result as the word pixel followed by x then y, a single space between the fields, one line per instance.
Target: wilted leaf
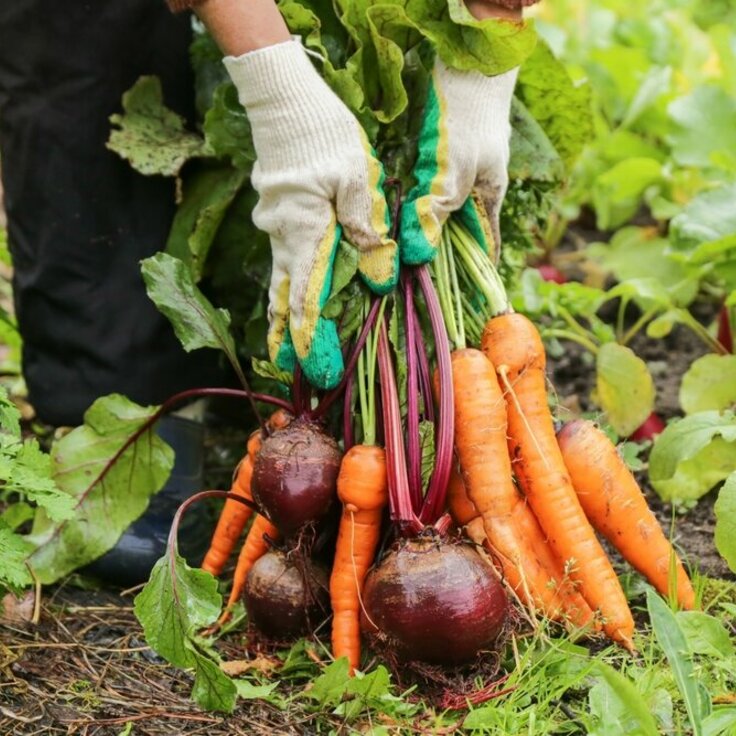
pixel 149 136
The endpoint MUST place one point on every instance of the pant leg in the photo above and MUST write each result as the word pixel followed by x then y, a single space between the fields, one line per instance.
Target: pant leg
pixel 79 218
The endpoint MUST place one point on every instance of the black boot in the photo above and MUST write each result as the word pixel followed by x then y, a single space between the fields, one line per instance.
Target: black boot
pixel 131 560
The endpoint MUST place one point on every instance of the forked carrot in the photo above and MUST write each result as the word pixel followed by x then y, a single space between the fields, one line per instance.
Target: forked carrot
pixel 616 507
pixel 480 442
pixel 363 490
pixel 515 348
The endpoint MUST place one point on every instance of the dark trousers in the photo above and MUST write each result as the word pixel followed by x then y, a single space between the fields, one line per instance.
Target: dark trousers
pixel 79 218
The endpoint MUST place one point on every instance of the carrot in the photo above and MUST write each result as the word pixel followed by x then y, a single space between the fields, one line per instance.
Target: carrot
pixel 255 546
pixel 573 606
pixel 362 487
pixel 515 348
pixel 616 507
pixel 234 515
pixel 232 521
pixel 480 441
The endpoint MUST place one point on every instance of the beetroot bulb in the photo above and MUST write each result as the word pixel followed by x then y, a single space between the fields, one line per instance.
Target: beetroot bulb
pixel 286 595
pixel 435 601
pixel 295 476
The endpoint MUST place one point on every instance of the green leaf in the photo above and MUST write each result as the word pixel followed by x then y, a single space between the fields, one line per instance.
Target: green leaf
pixel 13 552
pixel 561 107
pixel 108 498
pixel 227 129
pixel 705 231
pixel 176 602
pixel 705 634
pixel 725 511
pixel 9 415
pixel 17 514
pixel 673 643
pixel 208 194
pixel 149 136
pixel 213 689
pixel 709 383
pixel 625 388
pixel 618 705
pixel 196 322
pixel 617 193
pixel 345 267
pixel 704 134
pixel 426 447
pixel 267 369
pixel 532 154
pixel 720 721
pixel 638 253
pixel 32 474
pixel 249 691
pixel 329 688
pixel 654 85
pixel 692 455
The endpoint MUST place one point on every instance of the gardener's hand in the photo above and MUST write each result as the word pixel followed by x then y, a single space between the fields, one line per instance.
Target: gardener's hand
pixel 462 162
pixel 316 176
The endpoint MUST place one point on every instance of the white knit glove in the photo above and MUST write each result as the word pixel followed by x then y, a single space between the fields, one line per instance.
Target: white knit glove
pixel 463 151
pixel 317 177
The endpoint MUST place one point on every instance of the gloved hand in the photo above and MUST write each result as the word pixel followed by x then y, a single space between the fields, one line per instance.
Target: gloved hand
pixel 316 175
pixel 462 160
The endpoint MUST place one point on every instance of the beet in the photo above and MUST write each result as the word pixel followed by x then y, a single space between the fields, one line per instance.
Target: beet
pixel 286 596
pixel 434 601
pixel 652 426
pixel 551 273
pixel 725 335
pixel 295 476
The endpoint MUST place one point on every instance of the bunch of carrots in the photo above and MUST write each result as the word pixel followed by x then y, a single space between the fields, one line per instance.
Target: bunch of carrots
pixel 496 477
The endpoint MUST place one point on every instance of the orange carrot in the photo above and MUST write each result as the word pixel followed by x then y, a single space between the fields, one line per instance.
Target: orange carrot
pixel 363 490
pixel 514 346
pixel 255 546
pixel 234 515
pixel 480 441
pixel 616 507
pixel 574 608
pixel 232 521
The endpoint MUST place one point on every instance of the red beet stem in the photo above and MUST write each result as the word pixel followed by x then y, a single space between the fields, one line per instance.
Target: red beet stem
pixel 402 512
pixel 725 334
pixel 434 501
pixel 424 377
pixel 413 450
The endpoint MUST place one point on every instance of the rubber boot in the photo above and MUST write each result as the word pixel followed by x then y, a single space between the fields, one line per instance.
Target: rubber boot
pixel 130 561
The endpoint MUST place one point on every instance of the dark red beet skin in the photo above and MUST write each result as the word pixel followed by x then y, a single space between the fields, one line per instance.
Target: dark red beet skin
pixel 286 598
pixel 436 602
pixel 652 426
pixel 295 476
pixel 551 273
